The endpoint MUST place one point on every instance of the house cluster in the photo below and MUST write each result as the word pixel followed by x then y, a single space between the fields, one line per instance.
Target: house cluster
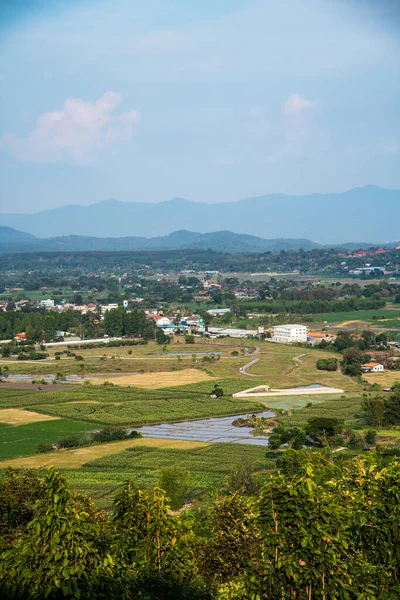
pixel 362 253
pixel 368 270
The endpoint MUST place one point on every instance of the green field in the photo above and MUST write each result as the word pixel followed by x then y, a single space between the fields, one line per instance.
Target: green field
pixel 23 439
pixel 347 407
pixel 83 408
pixel 358 315
pixel 209 468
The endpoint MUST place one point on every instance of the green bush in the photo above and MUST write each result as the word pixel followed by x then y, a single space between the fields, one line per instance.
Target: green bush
pixel 327 364
pixel 175 482
pixel 74 441
pixel 44 447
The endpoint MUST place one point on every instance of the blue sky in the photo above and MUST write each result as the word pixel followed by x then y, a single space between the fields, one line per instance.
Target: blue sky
pixel 211 101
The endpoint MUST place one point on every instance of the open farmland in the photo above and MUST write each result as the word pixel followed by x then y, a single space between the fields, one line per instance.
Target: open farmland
pixel 22 440
pixel 358 315
pixel 152 381
pixel 15 416
pixel 209 466
pixel 76 457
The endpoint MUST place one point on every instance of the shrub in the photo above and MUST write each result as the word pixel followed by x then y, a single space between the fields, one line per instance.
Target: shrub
pixel 189 339
pixel 217 391
pixel 370 437
pixel 356 440
pixel 76 440
pixel 78 357
pixel 110 434
pixel 327 364
pixel 274 441
pixel 44 447
pixel 175 482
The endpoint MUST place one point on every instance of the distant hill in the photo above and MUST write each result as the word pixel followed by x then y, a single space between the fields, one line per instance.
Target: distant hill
pixel 12 241
pixel 369 213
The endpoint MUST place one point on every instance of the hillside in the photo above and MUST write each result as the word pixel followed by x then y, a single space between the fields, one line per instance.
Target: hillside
pixel 12 241
pixel 360 213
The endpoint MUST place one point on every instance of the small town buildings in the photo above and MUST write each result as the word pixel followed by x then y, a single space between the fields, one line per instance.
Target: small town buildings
pixel 218 312
pixel 49 303
pixel 160 320
pixel 20 337
pixel 287 334
pixel 316 337
pixel 106 307
pixel 373 367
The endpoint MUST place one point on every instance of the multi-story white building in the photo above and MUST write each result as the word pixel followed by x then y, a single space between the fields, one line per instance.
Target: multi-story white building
pixel 287 334
pixel 49 303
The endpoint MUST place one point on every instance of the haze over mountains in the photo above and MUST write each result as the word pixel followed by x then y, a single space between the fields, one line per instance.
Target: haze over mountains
pixel 370 213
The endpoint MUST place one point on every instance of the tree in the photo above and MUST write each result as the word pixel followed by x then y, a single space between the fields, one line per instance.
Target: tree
pixel 59 554
pixel 161 337
pixel 274 441
pixel 374 407
pixel 175 482
pixel 217 391
pixel 189 339
pixel 353 358
pixel 370 437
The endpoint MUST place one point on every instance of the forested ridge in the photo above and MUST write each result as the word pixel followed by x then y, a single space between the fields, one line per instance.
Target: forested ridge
pixel 315 529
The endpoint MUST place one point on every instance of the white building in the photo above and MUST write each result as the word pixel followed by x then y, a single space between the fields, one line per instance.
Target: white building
pixel 218 312
pixel 106 307
pixel 160 320
pixel 373 367
pixel 287 334
pixel 49 303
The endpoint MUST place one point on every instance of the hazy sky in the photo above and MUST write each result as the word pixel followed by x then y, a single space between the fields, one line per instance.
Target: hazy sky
pixel 209 100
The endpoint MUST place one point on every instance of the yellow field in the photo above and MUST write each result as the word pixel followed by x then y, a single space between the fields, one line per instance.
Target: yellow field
pixel 15 416
pixel 153 381
pixel 76 457
pixel 386 379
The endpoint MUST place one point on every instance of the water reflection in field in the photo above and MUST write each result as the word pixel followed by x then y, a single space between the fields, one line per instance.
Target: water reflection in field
pixel 219 429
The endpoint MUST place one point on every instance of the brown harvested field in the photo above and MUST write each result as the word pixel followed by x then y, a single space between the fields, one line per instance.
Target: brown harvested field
pixel 16 416
pixel 153 381
pixel 385 379
pixel 76 457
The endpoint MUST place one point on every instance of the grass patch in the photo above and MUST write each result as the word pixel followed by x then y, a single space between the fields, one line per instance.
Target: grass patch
pixel 358 315
pixel 22 441
pixel 76 457
pixel 347 407
pixel 16 416
pixel 154 381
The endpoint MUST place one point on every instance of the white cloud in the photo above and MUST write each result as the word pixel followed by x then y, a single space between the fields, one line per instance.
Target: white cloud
pixel 386 148
pixel 76 134
pixel 296 104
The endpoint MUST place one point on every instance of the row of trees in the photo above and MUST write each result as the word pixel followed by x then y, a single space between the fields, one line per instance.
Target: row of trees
pixel 313 531
pixel 43 325
pixel 308 307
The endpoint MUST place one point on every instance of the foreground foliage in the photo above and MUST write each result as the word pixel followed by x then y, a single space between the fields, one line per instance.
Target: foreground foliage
pixel 313 531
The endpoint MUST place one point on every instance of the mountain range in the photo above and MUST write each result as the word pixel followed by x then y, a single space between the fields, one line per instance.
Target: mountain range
pixel 369 213
pixel 13 241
